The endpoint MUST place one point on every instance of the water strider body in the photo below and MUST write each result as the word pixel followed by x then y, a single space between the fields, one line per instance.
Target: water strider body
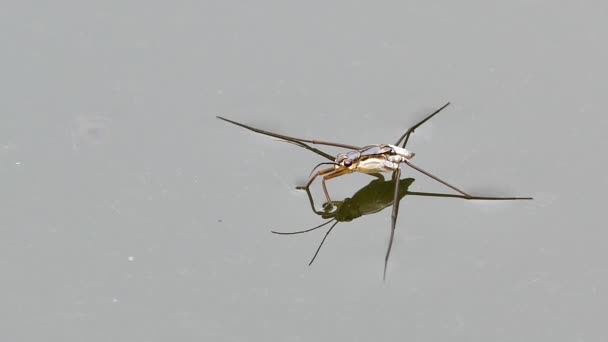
pixel 370 159
pixel 374 158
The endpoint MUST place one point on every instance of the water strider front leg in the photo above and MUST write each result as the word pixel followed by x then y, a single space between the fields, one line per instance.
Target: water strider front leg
pixel 328 173
pixel 314 176
pixel 306 187
pixel 312 179
pixel 336 173
pixel 329 203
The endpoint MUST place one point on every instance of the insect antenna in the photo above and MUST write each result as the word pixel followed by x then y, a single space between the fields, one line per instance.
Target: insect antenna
pixel 322 241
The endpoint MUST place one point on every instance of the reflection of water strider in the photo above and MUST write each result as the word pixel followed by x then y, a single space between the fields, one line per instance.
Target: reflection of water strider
pixel 371 159
pixel 370 199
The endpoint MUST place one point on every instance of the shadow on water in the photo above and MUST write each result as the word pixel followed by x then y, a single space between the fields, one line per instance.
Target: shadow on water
pixel 370 199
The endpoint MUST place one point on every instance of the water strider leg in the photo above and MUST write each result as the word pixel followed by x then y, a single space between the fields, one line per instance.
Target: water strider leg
pixel 312 149
pixel 288 138
pixel 410 130
pixel 482 198
pixel 314 176
pixel 396 176
pixel 328 173
pixel 329 203
pixel 312 203
pixel 436 178
pixel 322 241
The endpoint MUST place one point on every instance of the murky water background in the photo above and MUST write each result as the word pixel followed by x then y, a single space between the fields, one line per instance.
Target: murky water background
pixel 132 214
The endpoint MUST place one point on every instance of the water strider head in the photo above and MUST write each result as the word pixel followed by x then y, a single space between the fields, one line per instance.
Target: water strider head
pixel 348 159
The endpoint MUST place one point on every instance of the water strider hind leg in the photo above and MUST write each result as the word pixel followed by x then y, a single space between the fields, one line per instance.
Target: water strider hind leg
pixel 408 163
pixel 464 194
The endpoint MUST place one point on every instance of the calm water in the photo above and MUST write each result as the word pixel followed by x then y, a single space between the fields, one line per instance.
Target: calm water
pixel 133 214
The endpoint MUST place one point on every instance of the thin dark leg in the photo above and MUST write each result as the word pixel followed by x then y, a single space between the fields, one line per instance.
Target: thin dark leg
pixel 314 150
pixel 288 138
pixel 487 198
pixel 305 187
pixel 329 202
pixel 407 133
pixel 436 178
pixel 322 241
pixel 396 176
pixel 328 173
pixel 303 231
pixel 312 202
pixel 325 172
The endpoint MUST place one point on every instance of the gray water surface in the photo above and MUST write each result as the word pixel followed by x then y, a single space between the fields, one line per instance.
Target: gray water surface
pixel 130 213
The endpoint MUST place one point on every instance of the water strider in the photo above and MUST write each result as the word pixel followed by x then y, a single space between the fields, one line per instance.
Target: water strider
pixel 370 159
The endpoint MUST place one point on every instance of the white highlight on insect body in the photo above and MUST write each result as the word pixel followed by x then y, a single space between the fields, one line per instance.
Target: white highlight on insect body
pixel 391 165
pixel 403 152
pixel 375 165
